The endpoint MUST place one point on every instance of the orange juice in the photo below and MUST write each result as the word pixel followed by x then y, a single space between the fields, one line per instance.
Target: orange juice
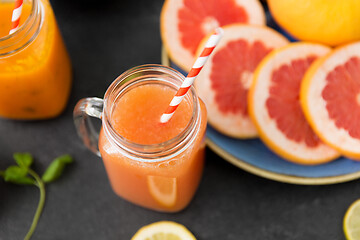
pixel 35 71
pixel 151 164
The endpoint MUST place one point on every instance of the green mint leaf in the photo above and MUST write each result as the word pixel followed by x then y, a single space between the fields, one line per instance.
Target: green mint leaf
pixel 24 160
pixel 23 181
pixel 18 175
pixel 15 171
pixel 56 168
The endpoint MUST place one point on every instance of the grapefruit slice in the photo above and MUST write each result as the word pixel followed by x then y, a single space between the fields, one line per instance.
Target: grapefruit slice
pixel 163 190
pixel 184 23
pixel 330 98
pixel 274 105
pixel 224 81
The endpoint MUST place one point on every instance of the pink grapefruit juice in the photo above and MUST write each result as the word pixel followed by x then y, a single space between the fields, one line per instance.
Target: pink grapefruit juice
pixel 166 185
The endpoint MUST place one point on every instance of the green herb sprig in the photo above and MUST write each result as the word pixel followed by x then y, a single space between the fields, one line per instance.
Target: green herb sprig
pixel 22 174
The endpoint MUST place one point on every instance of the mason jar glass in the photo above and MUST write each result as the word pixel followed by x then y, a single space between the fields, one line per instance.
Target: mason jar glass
pixel 35 70
pixel 162 176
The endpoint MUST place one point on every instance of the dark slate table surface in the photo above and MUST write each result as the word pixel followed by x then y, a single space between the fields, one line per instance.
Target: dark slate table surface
pixel 105 38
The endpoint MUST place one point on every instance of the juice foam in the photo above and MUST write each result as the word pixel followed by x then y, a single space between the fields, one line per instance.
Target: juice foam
pixel 137 115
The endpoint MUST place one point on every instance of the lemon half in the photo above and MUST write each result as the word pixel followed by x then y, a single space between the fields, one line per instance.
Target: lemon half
pixel 164 230
pixel 352 221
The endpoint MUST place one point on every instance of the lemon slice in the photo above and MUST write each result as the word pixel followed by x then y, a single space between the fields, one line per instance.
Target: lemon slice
pixel 352 221
pixel 164 230
pixel 163 190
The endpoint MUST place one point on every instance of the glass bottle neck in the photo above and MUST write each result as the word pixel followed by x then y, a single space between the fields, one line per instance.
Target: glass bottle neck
pixel 26 33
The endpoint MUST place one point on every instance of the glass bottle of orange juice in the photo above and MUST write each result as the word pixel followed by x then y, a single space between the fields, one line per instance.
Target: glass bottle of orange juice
pixel 35 71
pixel 151 164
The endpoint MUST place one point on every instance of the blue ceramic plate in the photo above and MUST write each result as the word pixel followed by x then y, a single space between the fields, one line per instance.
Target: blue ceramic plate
pixel 254 157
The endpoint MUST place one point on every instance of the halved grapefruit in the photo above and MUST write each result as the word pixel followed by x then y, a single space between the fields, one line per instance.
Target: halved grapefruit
pixel 330 98
pixel 224 81
pixel 274 105
pixel 184 23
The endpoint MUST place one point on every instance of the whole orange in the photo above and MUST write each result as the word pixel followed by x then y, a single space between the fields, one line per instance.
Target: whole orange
pixel 331 22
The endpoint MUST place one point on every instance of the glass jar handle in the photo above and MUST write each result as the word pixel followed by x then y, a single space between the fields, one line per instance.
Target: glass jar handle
pixel 85 108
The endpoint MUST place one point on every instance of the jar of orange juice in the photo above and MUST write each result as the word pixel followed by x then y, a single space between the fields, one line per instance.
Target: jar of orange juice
pixel 35 71
pixel 152 164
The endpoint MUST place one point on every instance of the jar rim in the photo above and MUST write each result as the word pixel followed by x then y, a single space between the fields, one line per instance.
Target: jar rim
pixel 24 30
pixel 159 151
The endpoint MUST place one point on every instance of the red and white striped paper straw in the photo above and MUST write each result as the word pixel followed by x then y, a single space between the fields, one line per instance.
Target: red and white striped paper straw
pixel 15 20
pixel 194 72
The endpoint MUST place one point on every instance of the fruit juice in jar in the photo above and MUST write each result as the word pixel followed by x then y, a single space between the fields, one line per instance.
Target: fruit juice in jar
pixel 152 164
pixel 35 71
